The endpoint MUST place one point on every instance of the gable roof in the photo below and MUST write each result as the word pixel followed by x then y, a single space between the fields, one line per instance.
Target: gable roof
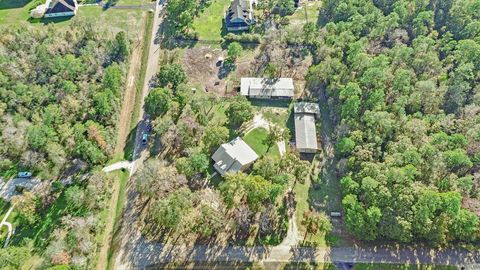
pixel 305 132
pixel 59 6
pixel 279 87
pixel 232 156
pixel 239 11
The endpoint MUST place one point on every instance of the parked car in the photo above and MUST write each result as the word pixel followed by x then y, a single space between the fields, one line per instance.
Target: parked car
pixel 24 175
pixel 149 127
pixel 144 138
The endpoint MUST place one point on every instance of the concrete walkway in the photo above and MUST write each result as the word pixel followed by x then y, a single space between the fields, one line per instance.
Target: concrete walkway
pixel 9 226
pixel 118 166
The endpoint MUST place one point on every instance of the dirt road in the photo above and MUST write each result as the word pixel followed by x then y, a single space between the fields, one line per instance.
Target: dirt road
pixel 128 104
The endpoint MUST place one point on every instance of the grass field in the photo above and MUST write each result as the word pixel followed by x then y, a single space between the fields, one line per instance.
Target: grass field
pixel 256 140
pixel 13 11
pixel 385 266
pixel 113 20
pixel 209 24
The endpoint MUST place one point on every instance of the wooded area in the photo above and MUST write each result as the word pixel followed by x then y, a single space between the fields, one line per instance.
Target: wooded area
pixel 402 79
pixel 59 102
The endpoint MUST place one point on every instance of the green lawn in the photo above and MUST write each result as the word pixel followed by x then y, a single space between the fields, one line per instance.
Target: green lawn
pixel 13 11
pixel 256 140
pixel 112 20
pixel 209 24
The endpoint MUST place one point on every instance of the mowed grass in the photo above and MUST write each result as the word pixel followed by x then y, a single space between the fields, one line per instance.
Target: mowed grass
pixel 14 11
pixel 256 140
pixel 209 24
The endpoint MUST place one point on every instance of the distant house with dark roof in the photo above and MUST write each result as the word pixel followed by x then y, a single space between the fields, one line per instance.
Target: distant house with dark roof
pixel 267 88
pixel 61 8
pixel 305 130
pixel 234 156
pixel 239 16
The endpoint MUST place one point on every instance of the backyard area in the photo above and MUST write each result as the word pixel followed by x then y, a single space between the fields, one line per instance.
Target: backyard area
pixel 209 24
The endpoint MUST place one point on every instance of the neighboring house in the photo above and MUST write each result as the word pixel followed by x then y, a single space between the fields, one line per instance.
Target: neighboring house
pixel 234 156
pixel 55 8
pixel 305 130
pixel 239 16
pixel 280 88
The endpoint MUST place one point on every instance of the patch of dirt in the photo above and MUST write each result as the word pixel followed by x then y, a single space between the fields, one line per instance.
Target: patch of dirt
pixel 200 63
pixel 128 102
pixel 472 205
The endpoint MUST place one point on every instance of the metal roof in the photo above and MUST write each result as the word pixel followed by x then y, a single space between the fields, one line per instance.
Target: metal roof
pixel 306 107
pixel 305 132
pixel 264 87
pixel 232 156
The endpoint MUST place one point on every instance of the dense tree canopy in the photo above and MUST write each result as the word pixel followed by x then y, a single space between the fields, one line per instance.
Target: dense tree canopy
pixel 59 96
pixel 403 77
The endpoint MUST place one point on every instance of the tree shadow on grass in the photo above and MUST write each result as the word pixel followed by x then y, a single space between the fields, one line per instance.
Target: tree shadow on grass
pixel 46 21
pixel 11 4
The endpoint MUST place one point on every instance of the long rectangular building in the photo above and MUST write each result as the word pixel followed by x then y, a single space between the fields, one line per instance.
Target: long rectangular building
pixel 305 129
pixel 267 88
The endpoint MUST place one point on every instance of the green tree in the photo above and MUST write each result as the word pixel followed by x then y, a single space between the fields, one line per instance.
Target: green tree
pixel 169 212
pixel 121 46
pixel 171 75
pixel 214 137
pixel 234 50
pixel 239 111
pixel 158 102
pixel 315 223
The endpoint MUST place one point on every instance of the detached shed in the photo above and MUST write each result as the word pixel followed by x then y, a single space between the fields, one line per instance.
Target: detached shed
pixel 267 88
pixel 305 129
pixel 233 156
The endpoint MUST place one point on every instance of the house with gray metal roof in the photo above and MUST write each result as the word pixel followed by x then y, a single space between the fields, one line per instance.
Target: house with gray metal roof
pixel 239 16
pixel 234 156
pixel 305 128
pixel 267 88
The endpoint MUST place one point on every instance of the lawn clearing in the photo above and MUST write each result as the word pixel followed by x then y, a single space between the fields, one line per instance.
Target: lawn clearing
pixel 256 140
pixel 209 24
pixel 308 12
pixel 14 11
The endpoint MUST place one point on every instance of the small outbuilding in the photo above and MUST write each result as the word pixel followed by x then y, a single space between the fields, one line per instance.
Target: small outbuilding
pixel 234 156
pixel 305 129
pixel 239 16
pixel 265 88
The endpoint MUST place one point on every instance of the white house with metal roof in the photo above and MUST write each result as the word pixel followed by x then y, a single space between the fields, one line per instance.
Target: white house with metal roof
pixel 267 88
pixel 305 129
pixel 234 156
